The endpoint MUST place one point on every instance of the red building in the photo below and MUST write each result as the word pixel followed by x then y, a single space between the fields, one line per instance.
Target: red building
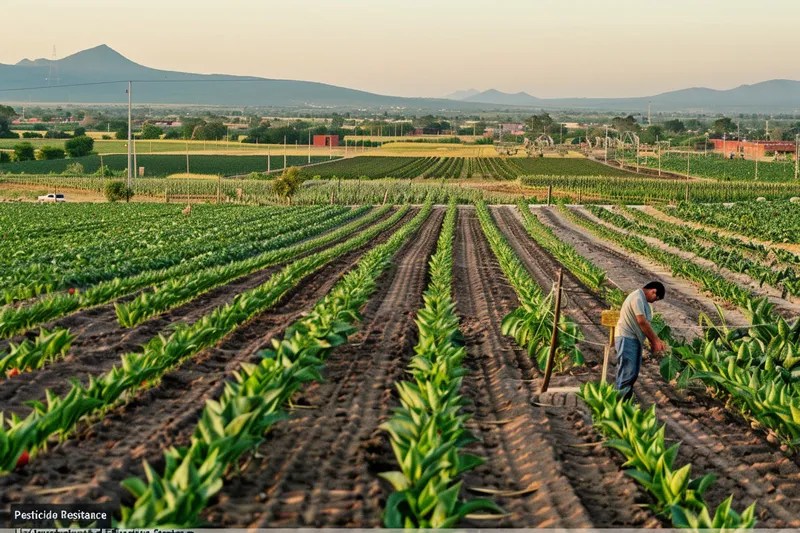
pixel 753 148
pixel 326 140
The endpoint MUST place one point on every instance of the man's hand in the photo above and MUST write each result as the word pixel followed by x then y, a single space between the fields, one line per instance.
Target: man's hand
pixel 659 346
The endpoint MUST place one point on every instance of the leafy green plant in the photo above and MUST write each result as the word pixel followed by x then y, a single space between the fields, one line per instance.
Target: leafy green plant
pixel 428 430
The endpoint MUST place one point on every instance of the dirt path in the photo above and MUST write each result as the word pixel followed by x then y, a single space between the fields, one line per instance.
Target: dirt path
pixel 92 465
pixel 782 306
pixel 528 446
pixel 713 438
pixel 319 468
pixel 101 341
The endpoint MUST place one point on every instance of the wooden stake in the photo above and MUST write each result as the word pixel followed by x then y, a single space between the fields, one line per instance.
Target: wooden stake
pixel 549 194
pixel 608 319
pixel 385 196
pixel 548 370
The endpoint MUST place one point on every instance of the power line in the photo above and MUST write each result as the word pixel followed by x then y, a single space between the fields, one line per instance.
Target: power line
pixel 87 84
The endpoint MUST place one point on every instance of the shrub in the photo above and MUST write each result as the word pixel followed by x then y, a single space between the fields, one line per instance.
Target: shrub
pixel 79 132
pixel 75 169
pixel 24 152
pixel 31 135
pixel 47 153
pixel 79 146
pixel 106 137
pixel 117 190
pixel 5 157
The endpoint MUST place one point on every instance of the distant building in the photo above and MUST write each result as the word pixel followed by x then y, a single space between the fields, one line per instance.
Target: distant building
pixel 326 140
pixel 752 148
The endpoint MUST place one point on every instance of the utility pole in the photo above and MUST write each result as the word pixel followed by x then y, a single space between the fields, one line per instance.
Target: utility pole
pixel 130 158
pixel 269 162
pixel 284 153
pixel 648 114
pixel 796 153
pixel 606 144
pixel 187 158
pixel 309 147
pixel 658 144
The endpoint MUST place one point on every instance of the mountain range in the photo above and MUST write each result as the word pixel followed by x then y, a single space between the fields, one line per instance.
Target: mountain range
pixel 98 75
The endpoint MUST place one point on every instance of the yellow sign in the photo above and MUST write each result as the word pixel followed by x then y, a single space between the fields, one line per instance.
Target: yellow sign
pixel 609 318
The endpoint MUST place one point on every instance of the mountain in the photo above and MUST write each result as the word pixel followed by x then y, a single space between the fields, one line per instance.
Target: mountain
pixel 493 96
pixel 102 73
pixel 461 95
pixel 105 73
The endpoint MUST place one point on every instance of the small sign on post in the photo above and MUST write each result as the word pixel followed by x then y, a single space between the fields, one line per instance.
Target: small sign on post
pixel 609 319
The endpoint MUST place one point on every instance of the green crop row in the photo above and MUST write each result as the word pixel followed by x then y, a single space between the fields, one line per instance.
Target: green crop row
pixel 278 232
pixel 587 272
pixel 638 437
pixel 531 323
pixel 60 414
pixel 179 290
pixel 256 399
pixel 719 168
pixel 428 431
pixel 32 355
pixel 785 280
pixel 776 221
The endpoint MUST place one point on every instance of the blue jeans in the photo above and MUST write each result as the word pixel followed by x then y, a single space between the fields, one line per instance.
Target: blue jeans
pixel 629 362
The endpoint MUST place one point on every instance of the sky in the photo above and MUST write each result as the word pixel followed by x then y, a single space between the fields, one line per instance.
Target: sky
pixel 591 48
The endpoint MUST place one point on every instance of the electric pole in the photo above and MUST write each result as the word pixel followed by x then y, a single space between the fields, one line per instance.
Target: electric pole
pixel 130 158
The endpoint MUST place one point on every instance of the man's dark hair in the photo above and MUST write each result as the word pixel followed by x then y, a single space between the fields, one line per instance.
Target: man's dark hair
pixel 659 287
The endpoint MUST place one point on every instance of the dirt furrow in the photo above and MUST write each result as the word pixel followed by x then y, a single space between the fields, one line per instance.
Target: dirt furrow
pixel 101 341
pixel 319 468
pixel 528 447
pixel 91 465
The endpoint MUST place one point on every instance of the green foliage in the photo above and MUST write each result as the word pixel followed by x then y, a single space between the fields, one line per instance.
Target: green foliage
pixel 428 432
pixel 531 324
pixel 48 153
pixel 638 437
pixel 250 405
pixel 151 132
pixel 32 355
pixel 79 146
pixel 24 152
pixel 117 190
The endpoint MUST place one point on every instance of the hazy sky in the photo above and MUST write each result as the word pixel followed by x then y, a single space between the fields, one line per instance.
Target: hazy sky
pixel 431 47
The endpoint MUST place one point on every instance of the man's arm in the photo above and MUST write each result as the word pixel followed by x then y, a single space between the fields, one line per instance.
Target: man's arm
pixel 655 343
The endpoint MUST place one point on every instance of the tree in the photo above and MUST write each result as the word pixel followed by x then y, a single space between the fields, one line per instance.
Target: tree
pixel 723 125
pixel 24 152
pixel 173 133
pixel 189 126
pixel 651 134
pixel 151 132
pixel 337 121
pixel 4 157
pixel 117 190
pixel 56 134
pixel 211 131
pixel 7 114
pixel 47 153
pixel 79 146
pixel 79 132
pixel 540 124
pixel 625 124
pixel 287 183
pixel 675 125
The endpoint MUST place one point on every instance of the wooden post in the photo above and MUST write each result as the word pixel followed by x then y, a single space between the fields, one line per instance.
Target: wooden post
pixel 219 188
pixel 548 370
pixel 166 193
pixel 549 194
pixel 609 319
pixel 687 193
pixel 385 196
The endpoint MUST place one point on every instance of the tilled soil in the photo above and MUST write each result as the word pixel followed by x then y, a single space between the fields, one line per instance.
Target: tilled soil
pixel 714 439
pixel 92 465
pixel 100 340
pixel 319 468
pixel 537 455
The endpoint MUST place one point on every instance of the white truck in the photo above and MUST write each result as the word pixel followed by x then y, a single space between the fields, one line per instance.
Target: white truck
pixel 52 197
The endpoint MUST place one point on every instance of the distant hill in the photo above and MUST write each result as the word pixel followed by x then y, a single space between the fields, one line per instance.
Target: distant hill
pixel 98 66
pixel 772 95
pixel 461 95
pixel 102 64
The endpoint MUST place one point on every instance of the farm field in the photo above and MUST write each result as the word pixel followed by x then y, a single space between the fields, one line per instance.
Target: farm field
pixel 291 366
pixel 165 165
pixel 717 167
pixel 143 146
